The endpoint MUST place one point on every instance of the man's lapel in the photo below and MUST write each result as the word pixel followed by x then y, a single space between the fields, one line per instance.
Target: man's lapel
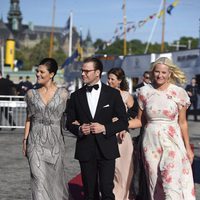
pixel 84 102
pixel 101 101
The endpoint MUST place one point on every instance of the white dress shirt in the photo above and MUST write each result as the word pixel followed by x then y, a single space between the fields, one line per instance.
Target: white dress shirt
pixel 93 98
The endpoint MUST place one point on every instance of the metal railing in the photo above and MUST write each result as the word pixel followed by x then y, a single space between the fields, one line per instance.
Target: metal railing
pixel 12 112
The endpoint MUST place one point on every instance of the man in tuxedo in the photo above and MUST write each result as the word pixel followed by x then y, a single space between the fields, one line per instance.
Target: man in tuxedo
pixel 145 80
pixel 91 111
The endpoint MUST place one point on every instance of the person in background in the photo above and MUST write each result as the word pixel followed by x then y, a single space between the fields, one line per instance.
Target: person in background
pixel 193 90
pixel 124 164
pixel 139 179
pixel 20 87
pixel 43 141
pixel 12 85
pixel 166 148
pixel 90 114
pixel 6 90
pixel 27 84
pixel 145 80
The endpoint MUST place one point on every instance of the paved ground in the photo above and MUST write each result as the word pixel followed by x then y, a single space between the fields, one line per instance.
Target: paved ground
pixel 14 170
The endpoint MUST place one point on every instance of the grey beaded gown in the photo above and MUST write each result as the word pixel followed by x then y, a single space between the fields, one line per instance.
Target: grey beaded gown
pixel 45 146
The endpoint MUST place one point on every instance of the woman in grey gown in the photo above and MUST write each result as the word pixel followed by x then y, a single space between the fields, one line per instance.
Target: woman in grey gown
pixel 43 142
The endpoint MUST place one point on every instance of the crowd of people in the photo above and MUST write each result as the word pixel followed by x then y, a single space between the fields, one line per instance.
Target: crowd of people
pixel 100 116
pixel 8 87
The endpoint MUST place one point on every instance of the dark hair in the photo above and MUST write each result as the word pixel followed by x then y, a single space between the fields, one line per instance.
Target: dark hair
pixel 119 73
pixel 97 63
pixel 51 65
pixel 146 72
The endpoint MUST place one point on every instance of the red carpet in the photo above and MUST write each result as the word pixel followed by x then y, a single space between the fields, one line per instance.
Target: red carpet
pixel 76 188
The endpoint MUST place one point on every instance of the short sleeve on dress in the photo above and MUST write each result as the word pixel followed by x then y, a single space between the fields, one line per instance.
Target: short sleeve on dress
pixel 141 96
pixel 183 99
pixel 28 100
pixel 64 94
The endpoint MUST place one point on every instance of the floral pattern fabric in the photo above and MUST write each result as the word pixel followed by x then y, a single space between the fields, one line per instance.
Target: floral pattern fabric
pixel 168 169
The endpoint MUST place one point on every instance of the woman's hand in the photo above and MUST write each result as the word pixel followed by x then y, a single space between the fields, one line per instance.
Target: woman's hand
pixel 121 135
pixel 76 122
pixel 24 147
pixel 190 154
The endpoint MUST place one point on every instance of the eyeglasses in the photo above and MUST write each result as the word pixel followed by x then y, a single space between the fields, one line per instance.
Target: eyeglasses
pixel 87 71
pixel 146 77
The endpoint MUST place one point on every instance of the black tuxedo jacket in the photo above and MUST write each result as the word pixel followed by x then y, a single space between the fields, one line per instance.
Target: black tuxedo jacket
pixel 138 86
pixel 110 105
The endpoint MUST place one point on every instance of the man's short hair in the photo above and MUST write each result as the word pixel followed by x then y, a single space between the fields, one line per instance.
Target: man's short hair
pixel 97 63
pixel 146 72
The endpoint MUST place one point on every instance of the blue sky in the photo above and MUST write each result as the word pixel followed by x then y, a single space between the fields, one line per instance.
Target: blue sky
pixel 101 17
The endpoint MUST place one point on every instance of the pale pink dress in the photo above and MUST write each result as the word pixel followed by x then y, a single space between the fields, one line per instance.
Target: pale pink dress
pixel 124 165
pixel 168 169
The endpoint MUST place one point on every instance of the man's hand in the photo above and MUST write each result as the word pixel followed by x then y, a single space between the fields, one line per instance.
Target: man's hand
pixel 97 128
pixel 85 129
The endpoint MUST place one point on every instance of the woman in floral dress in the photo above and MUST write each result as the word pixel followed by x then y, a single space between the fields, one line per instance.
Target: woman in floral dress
pixel 166 149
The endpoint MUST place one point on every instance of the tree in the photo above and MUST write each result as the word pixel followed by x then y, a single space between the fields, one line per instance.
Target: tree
pixel 32 56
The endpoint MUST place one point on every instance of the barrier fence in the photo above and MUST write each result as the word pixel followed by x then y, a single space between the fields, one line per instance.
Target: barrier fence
pixel 12 112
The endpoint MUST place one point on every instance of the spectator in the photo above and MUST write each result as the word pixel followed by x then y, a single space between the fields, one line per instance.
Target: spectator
pixel 193 91
pixel 6 89
pixel 12 85
pixel 20 87
pixel 145 80
pixel 27 84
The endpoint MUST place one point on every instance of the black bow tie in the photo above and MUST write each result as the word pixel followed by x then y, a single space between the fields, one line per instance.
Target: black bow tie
pixel 90 87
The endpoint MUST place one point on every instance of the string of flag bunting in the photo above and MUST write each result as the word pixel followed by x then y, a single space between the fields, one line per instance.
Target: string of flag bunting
pixel 132 26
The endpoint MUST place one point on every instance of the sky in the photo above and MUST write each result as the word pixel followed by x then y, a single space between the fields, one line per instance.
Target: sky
pixel 102 17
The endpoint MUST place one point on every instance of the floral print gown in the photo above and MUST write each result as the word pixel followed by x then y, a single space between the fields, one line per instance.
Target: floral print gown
pixel 45 146
pixel 168 169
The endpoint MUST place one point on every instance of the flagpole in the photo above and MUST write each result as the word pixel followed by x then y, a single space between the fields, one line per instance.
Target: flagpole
pixel 153 29
pixel 124 23
pixel 70 35
pixel 2 60
pixel 163 27
pixel 52 31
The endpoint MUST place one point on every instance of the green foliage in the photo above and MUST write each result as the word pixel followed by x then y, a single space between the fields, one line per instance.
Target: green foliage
pixel 136 47
pixel 32 56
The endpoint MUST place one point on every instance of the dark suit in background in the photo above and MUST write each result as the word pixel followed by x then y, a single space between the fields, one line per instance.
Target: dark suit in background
pixel 6 87
pixel 193 90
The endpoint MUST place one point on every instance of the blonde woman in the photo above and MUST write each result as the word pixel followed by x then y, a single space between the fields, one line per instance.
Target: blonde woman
pixel 166 149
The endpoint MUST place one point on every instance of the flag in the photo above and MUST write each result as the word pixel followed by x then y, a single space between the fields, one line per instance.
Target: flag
pixel 70 59
pixel 171 6
pixel 67 27
pixel 169 9
pixel 161 13
pixel 79 46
